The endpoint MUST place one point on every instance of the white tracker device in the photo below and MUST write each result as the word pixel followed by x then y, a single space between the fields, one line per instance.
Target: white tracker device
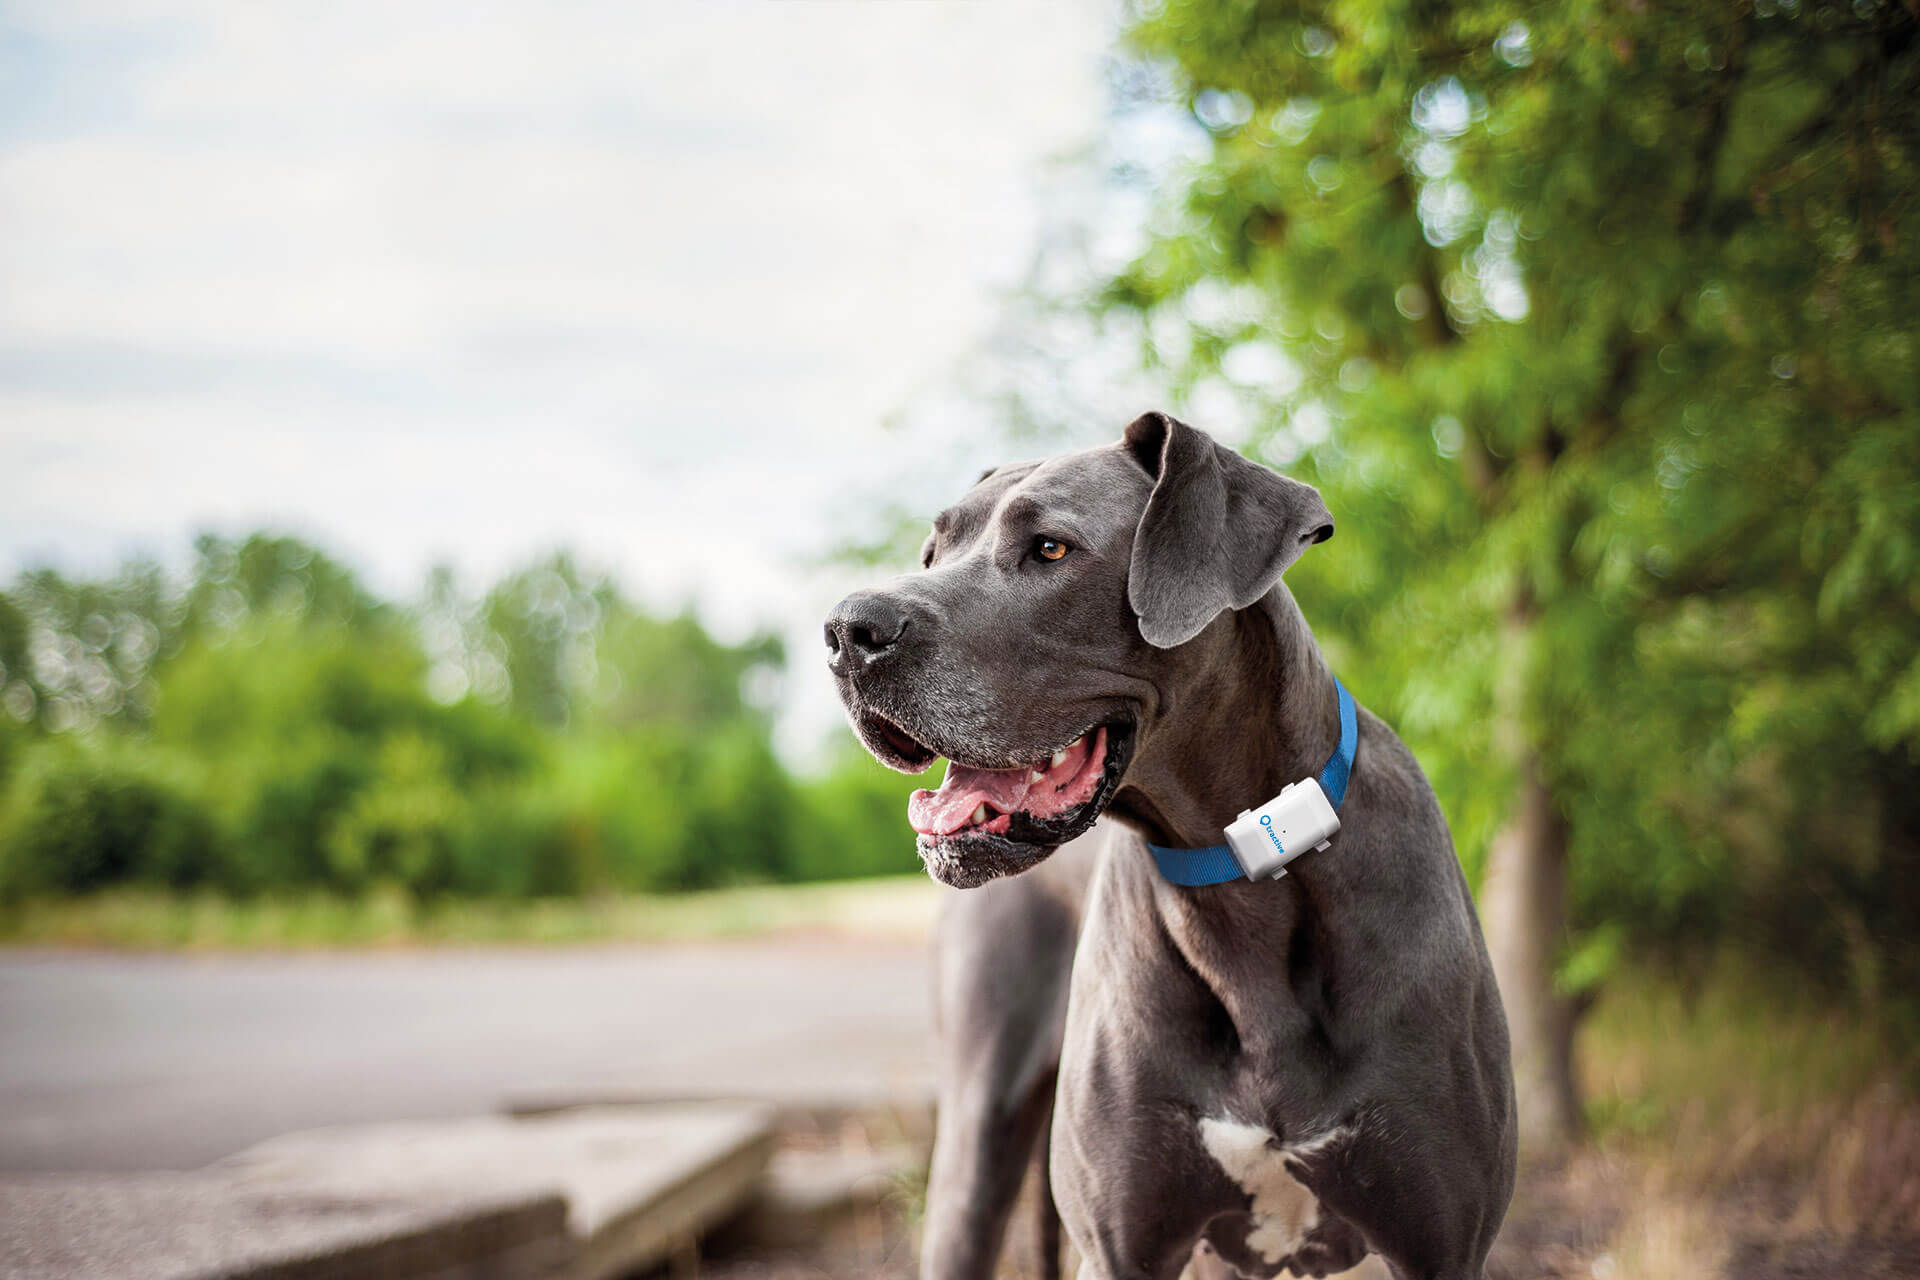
pixel 1266 839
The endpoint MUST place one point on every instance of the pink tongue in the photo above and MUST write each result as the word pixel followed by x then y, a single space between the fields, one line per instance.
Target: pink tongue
pixel 942 812
pixel 1006 791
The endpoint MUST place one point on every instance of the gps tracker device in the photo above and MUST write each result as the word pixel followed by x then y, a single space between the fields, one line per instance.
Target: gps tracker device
pixel 1266 839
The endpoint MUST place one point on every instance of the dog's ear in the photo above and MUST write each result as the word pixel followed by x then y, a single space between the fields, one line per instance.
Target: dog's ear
pixel 1217 533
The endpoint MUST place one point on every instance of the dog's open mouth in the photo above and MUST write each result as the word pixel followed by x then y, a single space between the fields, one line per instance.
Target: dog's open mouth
pixel 983 822
pixel 986 801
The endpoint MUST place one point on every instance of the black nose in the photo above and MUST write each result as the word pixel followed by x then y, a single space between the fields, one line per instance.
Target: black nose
pixel 861 628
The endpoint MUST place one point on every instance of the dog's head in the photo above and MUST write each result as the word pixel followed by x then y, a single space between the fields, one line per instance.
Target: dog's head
pixel 1031 648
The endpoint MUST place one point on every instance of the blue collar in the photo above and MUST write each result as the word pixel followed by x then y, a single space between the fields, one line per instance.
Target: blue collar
pixel 1216 864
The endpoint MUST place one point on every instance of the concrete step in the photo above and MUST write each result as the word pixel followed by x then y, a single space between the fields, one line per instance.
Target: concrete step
pixel 584 1195
pixel 640 1184
pixel 194 1226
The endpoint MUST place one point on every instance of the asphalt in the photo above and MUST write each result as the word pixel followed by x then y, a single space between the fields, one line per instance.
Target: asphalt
pixel 121 1062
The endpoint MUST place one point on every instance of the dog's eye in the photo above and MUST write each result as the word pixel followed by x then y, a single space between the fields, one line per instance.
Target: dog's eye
pixel 1050 548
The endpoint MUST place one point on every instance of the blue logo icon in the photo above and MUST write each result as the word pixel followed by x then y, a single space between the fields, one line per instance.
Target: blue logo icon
pixel 1266 820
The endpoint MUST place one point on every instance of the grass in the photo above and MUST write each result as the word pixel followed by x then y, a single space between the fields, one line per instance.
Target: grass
pixel 895 907
pixel 1739 1125
pixel 1655 1054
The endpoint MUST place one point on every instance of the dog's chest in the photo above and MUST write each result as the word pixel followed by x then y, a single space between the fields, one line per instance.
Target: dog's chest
pixel 1284 1212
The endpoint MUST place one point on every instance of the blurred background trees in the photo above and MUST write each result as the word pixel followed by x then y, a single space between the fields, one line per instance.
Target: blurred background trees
pixel 1596 325
pixel 267 724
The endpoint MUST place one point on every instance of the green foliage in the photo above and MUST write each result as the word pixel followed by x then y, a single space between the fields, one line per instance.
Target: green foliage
pixel 851 819
pixel 267 726
pixel 85 820
pixel 294 801
pixel 400 828
pixel 1597 327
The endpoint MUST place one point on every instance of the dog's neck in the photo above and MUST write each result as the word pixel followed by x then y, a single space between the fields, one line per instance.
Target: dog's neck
pixel 1252 708
pixel 1255 709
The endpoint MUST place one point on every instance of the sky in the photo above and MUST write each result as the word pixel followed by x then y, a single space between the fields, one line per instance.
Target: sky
pixel 464 282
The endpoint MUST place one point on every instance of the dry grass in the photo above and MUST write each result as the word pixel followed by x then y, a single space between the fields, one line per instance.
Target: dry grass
pixel 1744 1129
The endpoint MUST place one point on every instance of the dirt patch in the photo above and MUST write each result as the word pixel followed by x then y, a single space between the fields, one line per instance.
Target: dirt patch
pixel 1563 1217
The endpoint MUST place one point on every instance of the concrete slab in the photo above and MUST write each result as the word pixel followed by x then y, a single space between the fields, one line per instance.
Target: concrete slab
pixel 580 1196
pixel 639 1185
pixel 198 1226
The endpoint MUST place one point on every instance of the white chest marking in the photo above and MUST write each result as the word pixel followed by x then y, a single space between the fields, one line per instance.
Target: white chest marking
pixel 1283 1210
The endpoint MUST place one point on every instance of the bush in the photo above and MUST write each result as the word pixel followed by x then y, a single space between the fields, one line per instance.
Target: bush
pixel 743 817
pixel 855 820
pixel 402 828
pixel 526 842
pixel 296 801
pixel 83 823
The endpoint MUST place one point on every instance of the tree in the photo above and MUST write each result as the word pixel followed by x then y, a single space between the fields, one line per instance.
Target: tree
pixel 1596 323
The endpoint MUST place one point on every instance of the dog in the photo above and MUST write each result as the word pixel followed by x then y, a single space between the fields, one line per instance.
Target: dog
pixel 1260 1076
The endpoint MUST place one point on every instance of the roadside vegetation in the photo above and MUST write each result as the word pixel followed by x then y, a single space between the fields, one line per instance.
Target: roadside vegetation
pixel 263 726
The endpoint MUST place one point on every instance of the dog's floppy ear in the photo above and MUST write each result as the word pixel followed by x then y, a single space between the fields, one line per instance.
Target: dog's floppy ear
pixel 1217 533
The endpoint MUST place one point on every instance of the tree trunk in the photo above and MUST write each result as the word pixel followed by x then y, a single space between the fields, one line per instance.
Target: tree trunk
pixel 1524 901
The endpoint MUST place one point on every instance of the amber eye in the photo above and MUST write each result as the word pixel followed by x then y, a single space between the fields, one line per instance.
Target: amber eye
pixel 1049 549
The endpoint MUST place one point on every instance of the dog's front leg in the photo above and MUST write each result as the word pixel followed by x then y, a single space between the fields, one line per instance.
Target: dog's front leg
pixel 1133 1188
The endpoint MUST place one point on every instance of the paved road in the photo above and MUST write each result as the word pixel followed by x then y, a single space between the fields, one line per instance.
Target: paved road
pixel 131 1062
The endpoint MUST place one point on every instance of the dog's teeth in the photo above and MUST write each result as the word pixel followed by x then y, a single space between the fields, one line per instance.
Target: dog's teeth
pixel 980 814
pixel 1059 757
pixel 1034 775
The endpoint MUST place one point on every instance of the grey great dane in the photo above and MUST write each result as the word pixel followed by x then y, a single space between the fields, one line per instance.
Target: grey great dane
pixel 1243 1078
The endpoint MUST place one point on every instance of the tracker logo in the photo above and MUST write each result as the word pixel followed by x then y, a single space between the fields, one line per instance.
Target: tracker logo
pixel 1266 822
